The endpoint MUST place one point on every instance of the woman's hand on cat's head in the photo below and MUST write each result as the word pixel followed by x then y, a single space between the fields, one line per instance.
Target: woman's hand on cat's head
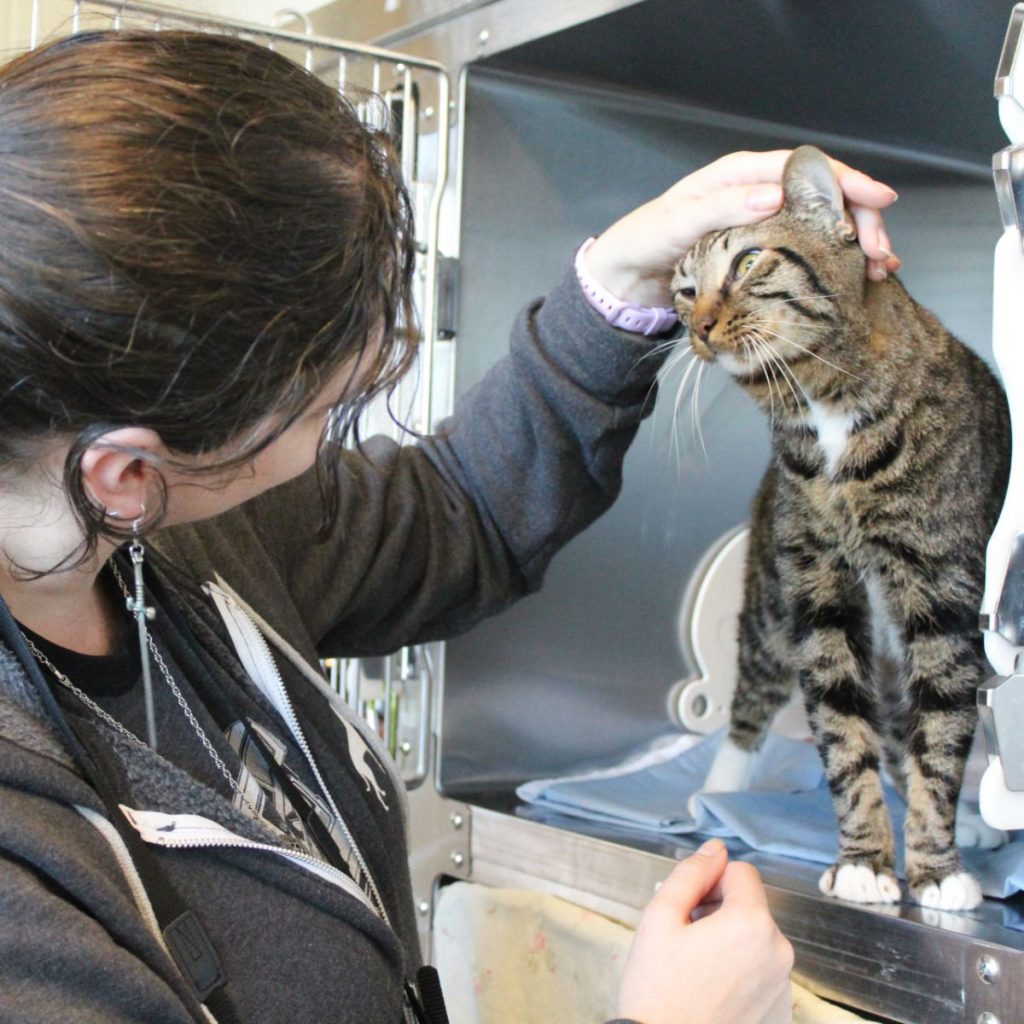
pixel 634 258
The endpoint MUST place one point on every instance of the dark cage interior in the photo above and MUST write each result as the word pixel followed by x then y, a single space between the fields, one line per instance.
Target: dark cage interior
pixel 566 132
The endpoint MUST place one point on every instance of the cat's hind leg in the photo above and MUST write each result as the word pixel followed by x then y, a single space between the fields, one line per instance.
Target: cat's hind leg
pixel 973 831
pixel 765 680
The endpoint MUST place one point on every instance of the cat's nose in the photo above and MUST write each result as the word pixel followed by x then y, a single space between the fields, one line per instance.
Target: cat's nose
pixel 703 326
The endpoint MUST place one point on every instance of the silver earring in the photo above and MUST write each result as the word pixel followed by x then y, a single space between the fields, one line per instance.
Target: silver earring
pixel 137 606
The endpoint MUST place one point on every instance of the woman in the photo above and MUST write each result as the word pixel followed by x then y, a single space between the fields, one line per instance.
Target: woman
pixel 205 264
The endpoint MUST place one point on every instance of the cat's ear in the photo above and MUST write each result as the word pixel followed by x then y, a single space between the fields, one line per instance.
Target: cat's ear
pixel 813 193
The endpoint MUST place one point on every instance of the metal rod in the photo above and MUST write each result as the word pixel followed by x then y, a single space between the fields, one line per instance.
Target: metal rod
pixel 379 105
pixel 284 15
pixel 423 725
pixel 176 15
pixel 410 134
pixel 357 687
pixel 347 669
pixel 33 36
pixel 433 230
pixel 389 686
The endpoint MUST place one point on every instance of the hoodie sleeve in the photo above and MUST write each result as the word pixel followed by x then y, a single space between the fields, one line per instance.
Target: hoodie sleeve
pixel 433 537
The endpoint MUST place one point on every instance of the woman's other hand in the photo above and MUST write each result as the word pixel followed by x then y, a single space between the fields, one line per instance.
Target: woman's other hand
pixel 634 258
pixel 707 950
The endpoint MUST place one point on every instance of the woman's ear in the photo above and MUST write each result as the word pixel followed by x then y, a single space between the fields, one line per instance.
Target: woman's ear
pixel 117 469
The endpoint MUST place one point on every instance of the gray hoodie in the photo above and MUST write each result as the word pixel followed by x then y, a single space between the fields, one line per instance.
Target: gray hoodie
pixel 429 540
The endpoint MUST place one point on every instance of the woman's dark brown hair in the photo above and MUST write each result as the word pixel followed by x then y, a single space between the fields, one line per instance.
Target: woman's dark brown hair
pixel 195 234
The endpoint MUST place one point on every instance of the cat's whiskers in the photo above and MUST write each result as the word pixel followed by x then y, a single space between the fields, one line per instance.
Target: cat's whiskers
pixel 695 409
pixel 680 393
pixel 680 343
pixel 772 360
pixel 761 325
pixel 671 364
pixel 752 355
pixel 787 371
pixel 684 351
pixel 770 377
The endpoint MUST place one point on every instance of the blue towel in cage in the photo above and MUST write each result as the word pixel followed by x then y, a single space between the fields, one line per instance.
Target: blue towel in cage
pixel 787 811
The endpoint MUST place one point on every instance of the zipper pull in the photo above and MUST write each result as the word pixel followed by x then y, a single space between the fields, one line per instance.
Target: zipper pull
pixel 155 826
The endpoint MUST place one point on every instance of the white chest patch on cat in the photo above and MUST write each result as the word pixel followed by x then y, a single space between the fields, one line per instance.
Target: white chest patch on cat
pixel 833 429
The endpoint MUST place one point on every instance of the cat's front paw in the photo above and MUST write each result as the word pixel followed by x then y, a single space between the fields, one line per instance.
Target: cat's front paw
pixel 959 891
pixel 859 883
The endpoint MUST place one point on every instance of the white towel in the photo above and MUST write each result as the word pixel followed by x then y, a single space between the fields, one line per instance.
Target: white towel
pixel 511 956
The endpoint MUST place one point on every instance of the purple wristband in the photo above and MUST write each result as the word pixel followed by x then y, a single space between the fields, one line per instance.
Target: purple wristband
pixel 624 315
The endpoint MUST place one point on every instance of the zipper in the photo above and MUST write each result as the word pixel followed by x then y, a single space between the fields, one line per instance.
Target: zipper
pixel 192 831
pixel 346 713
pixel 127 865
pixel 255 654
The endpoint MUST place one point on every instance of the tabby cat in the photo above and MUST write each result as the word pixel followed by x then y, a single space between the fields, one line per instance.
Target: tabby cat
pixel 890 456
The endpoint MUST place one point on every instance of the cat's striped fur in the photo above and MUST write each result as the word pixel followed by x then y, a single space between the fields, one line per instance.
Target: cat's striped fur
pixel 890 454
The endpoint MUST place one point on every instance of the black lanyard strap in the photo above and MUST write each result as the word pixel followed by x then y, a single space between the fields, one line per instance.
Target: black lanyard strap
pixel 425 998
pixel 186 938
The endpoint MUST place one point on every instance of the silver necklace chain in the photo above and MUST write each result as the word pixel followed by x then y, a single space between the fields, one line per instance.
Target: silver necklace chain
pixel 83 697
pixel 183 704
pixel 178 696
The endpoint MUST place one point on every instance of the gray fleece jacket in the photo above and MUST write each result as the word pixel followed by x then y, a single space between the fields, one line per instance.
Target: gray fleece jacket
pixel 429 540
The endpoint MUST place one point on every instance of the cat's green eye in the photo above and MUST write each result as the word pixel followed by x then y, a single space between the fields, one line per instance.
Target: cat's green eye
pixel 745 261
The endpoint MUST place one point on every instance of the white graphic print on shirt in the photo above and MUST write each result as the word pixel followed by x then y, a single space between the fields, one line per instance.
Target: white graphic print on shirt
pixel 256 780
pixel 360 755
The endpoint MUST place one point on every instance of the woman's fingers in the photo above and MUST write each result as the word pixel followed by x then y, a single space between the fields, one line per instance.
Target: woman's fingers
pixel 724 207
pixel 751 168
pixel 865 198
pixel 861 189
pixel 742 168
pixel 874 240
pixel 741 884
pixel 691 880
pixel 715 185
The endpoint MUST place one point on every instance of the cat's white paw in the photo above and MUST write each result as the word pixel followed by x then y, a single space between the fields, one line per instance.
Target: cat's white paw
pixel 858 883
pixel 973 831
pixel 955 892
